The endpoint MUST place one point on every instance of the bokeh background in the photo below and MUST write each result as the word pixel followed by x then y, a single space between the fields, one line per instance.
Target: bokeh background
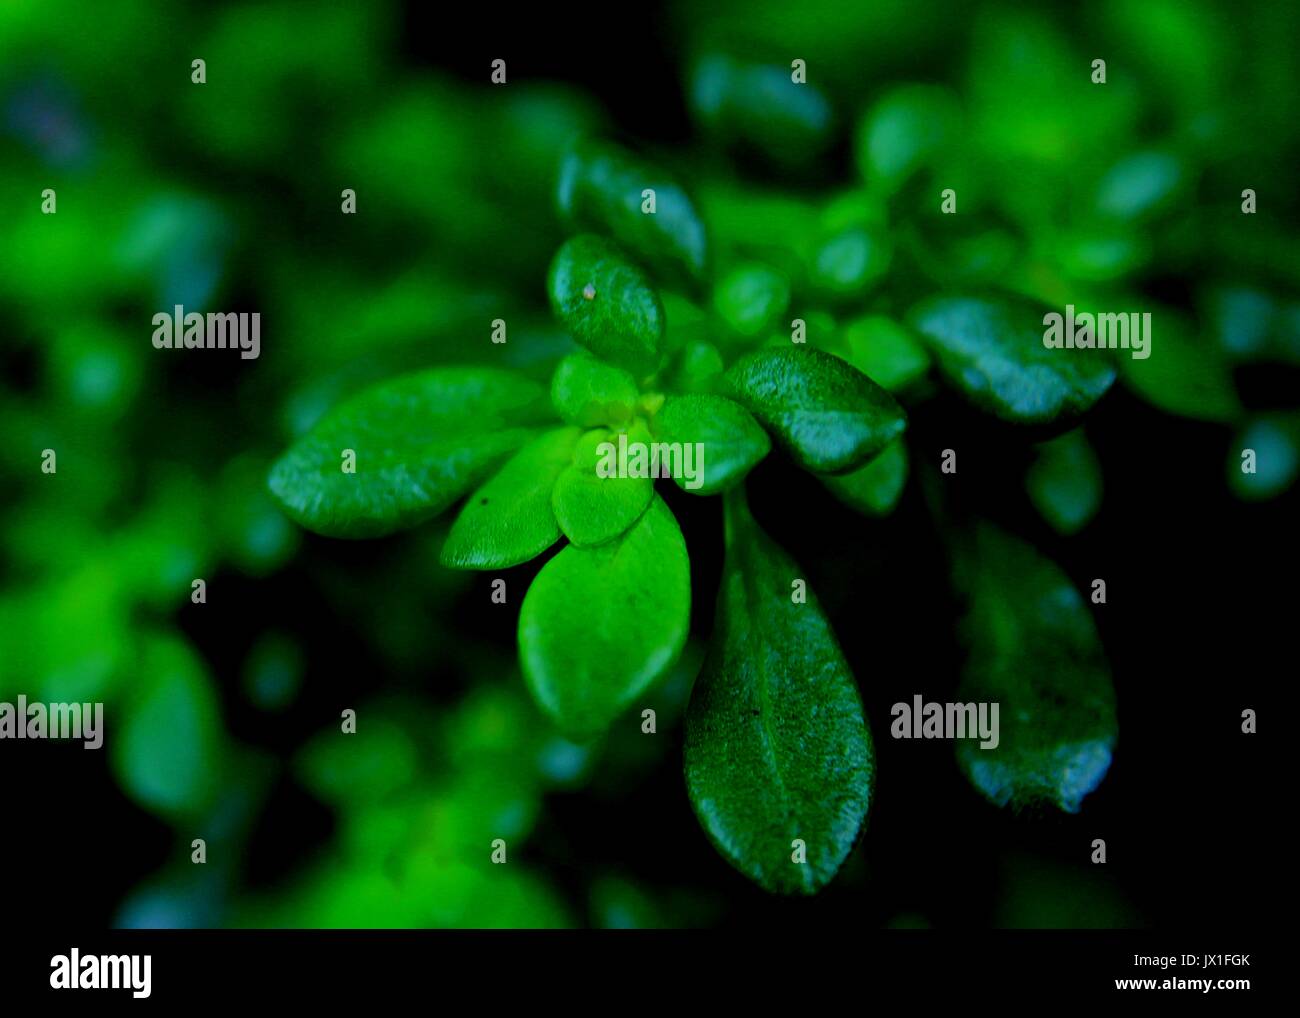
pixel 222 718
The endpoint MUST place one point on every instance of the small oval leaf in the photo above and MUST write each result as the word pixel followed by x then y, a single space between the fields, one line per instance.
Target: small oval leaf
pixel 607 303
pixel 509 520
pixel 418 442
pixel 991 349
pixel 599 625
pixel 602 187
pixel 827 414
pixel 777 746
pixel 593 503
pixel 588 392
pixel 730 442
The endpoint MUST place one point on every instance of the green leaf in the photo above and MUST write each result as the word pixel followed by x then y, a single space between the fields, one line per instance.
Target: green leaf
pixel 1139 185
pixel 751 297
pixel 607 303
pixel 826 413
pixel 874 488
pixel 991 350
pixel 697 368
pixel 1275 441
pixel 850 262
pixel 588 392
pixel 592 504
pixel 904 132
pixel 733 442
pixel 885 352
pixel 602 187
pixel 169 752
pixel 1033 650
pixel 777 747
pixel 599 625
pixel 1064 482
pixel 1185 374
pixel 421 441
pixel 761 108
pixel 509 520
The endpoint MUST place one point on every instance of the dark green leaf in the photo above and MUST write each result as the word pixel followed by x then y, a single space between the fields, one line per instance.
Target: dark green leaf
pixel 1185 374
pixel 875 487
pixel 607 302
pixel 1033 650
pixel 599 625
pixel 421 442
pixel 1064 482
pixel 991 349
pixel 602 188
pixel 762 108
pixel 826 413
pixel 733 442
pixel 170 749
pixel 592 503
pixel 777 747
pixel 509 520
pixel 588 392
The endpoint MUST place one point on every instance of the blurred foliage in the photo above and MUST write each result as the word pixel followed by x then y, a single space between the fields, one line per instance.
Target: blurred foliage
pixel 822 204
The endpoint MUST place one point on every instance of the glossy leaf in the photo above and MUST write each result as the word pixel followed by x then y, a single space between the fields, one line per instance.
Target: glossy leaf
pixel 602 187
pixel 733 442
pixel 1033 650
pixel 509 519
pixel 607 302
pixel 991 350
pixel 588 392
pixel 592 503
pixel 777 747
pixel 599 625
pixel 827 414
pixel 420 441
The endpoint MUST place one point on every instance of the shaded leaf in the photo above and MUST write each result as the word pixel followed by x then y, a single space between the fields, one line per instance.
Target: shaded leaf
pixel 991 350
pixel 1064 482
pixel 825 412
pixel 421 441
pixel 777 747
pixel 1033 650
pixel 875 487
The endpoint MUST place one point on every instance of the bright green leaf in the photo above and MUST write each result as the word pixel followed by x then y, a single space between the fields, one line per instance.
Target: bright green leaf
pixel 592 504
pixel 777 747
pixel 599 625
pixel 588 392
pixel 751 297
pixel 885 352
pixel 825 412
pixel 509 520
